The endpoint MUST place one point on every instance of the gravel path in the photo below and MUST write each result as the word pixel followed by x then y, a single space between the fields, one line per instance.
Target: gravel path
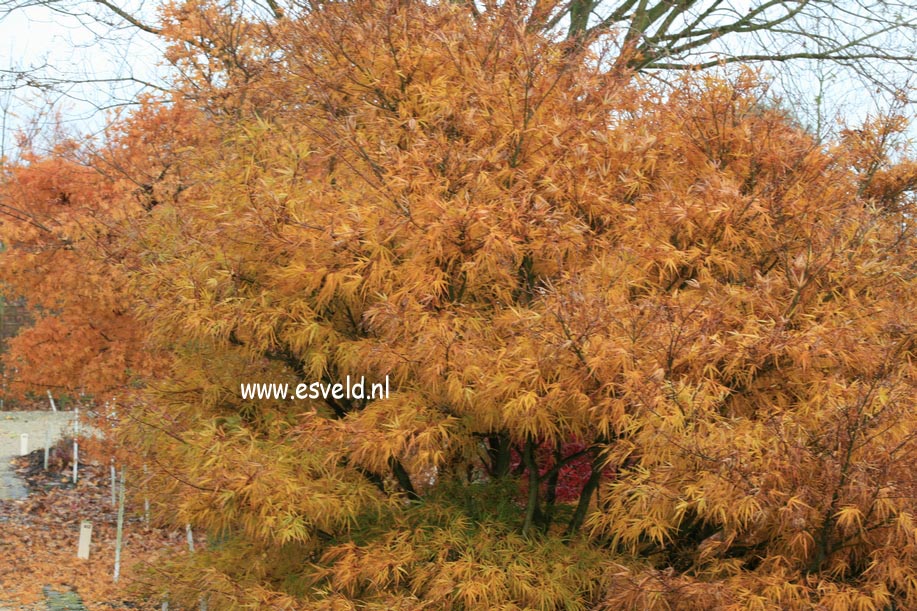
pixel 12 425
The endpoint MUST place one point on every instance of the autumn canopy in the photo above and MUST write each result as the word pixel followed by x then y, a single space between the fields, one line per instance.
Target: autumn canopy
pixel 650 346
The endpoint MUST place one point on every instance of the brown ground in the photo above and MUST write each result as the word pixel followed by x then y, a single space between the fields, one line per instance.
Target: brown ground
pixel 38 425
pixel 39 534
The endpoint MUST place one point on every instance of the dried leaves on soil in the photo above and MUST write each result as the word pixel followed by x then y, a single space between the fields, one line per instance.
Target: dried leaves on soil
pixel 39 536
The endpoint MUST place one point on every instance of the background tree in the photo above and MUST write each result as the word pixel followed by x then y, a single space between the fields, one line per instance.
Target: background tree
pixel 872 39
pixel 62 215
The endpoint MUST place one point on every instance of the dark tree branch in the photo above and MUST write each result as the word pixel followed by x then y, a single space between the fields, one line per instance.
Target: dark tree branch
pixel 129 18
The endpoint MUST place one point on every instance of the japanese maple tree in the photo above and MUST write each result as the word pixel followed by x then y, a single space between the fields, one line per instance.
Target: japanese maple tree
pixel 650 346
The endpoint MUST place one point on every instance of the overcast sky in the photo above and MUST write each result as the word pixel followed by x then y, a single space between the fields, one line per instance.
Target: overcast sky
pixel 89 62
pixel 67 49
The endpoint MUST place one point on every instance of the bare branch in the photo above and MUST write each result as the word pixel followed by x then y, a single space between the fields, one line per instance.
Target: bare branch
pixel 129 18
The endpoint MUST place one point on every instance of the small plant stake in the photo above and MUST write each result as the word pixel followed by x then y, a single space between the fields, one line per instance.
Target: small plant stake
pixel 76 446
pixel 113 482
pixel 120 531
pixel 85 539
pixel 190 535
pixel 51 399
pixel 23 444
pixel 146 498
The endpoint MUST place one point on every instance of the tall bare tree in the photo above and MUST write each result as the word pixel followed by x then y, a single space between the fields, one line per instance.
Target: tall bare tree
pixel 875 40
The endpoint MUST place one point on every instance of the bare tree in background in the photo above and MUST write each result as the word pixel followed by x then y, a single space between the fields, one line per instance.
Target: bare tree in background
pixel 875 40
pixel 98 61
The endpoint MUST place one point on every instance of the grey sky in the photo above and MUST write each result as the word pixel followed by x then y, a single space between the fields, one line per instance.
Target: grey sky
pixel 92 65
pixel 91 68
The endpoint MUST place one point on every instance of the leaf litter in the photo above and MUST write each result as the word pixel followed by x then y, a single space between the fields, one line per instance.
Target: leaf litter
pixel 39 538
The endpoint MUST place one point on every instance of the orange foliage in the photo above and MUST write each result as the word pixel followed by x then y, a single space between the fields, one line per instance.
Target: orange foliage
pixel 66 218
pixel 555 263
